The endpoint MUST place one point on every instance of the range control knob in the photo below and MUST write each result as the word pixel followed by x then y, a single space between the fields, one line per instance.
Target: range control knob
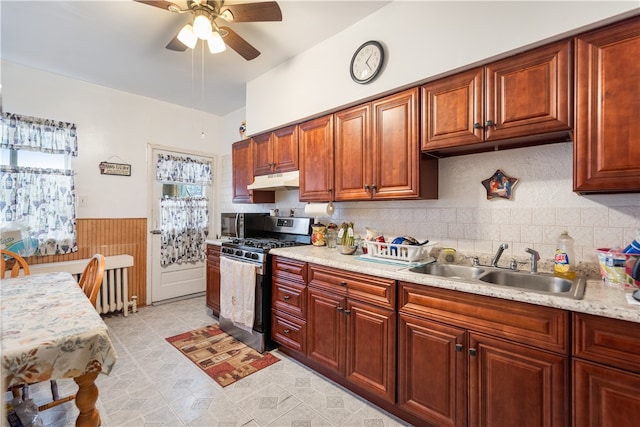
pixel 255 256
pixel 239 252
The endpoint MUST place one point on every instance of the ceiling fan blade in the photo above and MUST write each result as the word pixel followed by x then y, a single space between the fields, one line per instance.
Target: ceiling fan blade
pixel 161 4
pixel 176 45
pixel 240 45
pixel 254 12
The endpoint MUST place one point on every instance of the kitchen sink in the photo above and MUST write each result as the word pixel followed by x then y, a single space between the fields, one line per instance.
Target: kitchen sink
pixel 539 283
pixel 543 283
pixel 449 270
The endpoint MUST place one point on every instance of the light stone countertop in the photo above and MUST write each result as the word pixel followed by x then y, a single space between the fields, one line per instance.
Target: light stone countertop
pixel 599 299
pixel 217 242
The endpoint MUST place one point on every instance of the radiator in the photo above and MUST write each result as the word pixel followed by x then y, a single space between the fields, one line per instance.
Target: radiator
pixel 114 292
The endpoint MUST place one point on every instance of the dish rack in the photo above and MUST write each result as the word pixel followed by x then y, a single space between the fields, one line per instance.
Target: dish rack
pixel 399 252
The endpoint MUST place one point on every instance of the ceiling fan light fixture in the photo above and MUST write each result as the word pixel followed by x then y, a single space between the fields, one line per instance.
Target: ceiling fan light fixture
pixel 215 43
pixel 187 37
pixel 202 27
pixel 227 15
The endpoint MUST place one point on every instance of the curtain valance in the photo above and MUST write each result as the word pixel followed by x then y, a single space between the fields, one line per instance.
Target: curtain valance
pixel 36 134
pixel 185 170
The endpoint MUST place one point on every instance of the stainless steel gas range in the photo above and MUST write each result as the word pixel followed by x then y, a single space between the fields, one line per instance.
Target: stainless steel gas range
pixel 272 232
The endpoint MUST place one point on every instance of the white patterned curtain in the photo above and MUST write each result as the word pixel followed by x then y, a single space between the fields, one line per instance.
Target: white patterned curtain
pixel 185 226
pixel 185 220
pixel 43 199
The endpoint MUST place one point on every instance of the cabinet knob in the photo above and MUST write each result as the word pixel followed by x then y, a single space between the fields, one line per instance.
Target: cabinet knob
pixel 347 312
pixel 473 352
pixel 286 331
pixel 477 126
pixel 329 190
pixel 340 308
pixel 458 347
pixel 286 269
pixel 489 123
pixel 343 283
pixel 286 297
pixel 374 187
pixel 366 187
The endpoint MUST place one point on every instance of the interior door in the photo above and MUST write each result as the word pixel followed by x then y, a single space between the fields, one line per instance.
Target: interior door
pixel 174 280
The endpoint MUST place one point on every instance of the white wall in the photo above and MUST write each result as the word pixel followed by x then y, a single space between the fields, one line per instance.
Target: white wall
pixel 422 39
pixel 112 126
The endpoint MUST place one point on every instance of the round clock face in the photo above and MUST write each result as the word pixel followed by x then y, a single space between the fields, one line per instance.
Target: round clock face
pixel 367 62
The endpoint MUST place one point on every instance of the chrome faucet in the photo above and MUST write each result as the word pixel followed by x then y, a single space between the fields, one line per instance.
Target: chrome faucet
pixel 535 257
pixel 496 258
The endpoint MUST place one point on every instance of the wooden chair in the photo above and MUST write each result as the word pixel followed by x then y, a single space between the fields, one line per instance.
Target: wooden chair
pixel 90 282
pixel 19 263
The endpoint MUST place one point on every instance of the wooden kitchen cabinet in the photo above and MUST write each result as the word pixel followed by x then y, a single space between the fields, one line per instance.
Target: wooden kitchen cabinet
pixel 315 139
pixel 522 100
pixel 276 151
pixel 606 372
pixel 377 152
pixel 213 279
pixel 352 328
pixel 242 175
pixel 506 361
pixel 606 149
pixel 289 303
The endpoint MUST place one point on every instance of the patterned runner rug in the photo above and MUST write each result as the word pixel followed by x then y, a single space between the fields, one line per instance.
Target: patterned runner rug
pixel 221 356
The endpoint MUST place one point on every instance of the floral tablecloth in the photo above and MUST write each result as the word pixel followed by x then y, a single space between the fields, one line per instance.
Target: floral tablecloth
pixel 50 330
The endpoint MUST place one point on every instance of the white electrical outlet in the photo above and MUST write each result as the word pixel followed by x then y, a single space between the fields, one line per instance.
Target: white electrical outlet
pixel 83 201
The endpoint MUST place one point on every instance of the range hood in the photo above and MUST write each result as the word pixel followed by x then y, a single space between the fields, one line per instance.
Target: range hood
pixel 276 181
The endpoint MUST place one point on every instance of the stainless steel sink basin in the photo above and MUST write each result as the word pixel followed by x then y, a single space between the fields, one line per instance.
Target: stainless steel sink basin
pixel 536 282
pixel 449 270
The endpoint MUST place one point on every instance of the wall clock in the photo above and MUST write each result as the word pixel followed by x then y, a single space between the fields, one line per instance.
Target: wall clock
pixel 367 62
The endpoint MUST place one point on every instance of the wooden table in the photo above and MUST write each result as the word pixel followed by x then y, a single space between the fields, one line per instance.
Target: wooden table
pixel 50 330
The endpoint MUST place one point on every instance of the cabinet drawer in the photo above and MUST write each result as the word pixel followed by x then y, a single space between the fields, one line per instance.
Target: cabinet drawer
pixel 376 290
pixel 543 327
pixel 213 250
pixel 288 331
pixel 292 269
pixel 289 297
pixel 609 341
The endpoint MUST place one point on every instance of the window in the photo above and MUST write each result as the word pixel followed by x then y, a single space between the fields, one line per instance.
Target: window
pixel 37 191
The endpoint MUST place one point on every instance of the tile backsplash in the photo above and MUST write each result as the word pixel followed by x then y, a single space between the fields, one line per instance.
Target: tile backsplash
pixel 542 206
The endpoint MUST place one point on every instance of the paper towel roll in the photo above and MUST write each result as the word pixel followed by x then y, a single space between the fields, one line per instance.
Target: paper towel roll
pixel 319 209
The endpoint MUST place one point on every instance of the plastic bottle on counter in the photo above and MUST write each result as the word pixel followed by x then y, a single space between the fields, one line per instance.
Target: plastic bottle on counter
pixel 634 247
pixel 564 261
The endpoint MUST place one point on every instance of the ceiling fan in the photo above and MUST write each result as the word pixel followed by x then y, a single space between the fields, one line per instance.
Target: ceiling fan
pixel 203 25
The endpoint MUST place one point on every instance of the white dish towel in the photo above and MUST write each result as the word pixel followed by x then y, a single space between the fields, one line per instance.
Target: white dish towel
pixel 237 292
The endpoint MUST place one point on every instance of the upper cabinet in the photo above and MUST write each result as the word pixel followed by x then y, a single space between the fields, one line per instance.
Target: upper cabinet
pixel 316 159
pixel 606 147
pixel 377 152
pixel 242 175
pixel 522 100
pixel 275 151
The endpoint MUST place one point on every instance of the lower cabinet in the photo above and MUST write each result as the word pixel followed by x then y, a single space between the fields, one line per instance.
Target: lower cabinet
pixel 289 303
pixel 213 279
pixel 606 372
pixel 460 362
pixel 352 328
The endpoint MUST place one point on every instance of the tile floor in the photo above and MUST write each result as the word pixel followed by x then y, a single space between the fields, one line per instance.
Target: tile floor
pixel 152 384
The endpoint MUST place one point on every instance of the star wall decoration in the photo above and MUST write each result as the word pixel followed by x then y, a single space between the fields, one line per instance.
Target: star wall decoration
pixel 499 185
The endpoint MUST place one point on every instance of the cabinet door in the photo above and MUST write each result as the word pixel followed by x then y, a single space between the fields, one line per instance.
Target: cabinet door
pixel 316 160
pixel 452 111
pixel 371 348
pixel 353 173
pixel 242 166
pixel 213 279
pixel 395 147
pixel 604 397
pixel 326 329
pixel 262 154
pixel 432 374
pixel 530 93
pixel 285 149
pixel 606 148
pixel 514 385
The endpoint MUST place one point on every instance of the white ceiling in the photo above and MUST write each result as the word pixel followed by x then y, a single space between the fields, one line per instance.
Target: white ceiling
pixel 121 44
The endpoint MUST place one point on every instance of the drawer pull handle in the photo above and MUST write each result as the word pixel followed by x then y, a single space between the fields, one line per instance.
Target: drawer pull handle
pixel 286 331
pixel 473 352
pixel 286 297
pixel 343 283
pixel 458 347
pixel 286 269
